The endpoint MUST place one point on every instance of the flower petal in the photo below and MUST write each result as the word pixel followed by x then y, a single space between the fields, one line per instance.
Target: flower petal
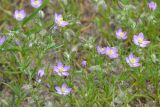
pixel 66 68
pixel 65 73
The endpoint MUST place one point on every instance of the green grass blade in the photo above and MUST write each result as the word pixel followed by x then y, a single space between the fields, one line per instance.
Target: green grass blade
pixel 35 12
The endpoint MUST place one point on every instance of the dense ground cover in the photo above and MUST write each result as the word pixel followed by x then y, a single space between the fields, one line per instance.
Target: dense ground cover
pixel 79 53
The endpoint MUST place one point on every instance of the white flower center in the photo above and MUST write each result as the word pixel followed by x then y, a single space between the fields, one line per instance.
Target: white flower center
pixel 36 2
pixel 121 34
pixel 19 15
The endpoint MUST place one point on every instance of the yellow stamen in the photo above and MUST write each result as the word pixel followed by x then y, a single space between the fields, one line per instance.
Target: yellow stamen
pixel 60 20
pixel 101 49
pixel 110 52
pixel 121 34
pixel 63 89
pixel 36 2
pixel 140 40
pixel 132 60
pixel 19 15
pixel 61 69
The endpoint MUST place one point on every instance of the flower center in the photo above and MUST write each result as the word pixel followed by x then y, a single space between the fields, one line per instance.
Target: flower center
pixel 36 2
pixel 110 52
pixel 61 69
pixel 60 20
pixel 132 60
pixel 101 49
pixel 121 34
pixel 63 89
pixel 19 15
pixel 140 40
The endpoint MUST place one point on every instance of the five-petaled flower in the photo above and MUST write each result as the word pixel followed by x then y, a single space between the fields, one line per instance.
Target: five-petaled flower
pixel 2 39
pixel 19 15
pixel 36 3
pixel 59 21
pixel 40 73
pixel 100 50
pixel 111 52
pixel 132 60
pixel 121 34
pixel 152 5
pixel 140 41
pixel 63 90
pixel 61 70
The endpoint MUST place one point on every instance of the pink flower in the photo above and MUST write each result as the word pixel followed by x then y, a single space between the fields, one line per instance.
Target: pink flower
pixel 132 60
pixel 61 70
pixel 19 15
pixel 40 73
pixel 59 21
pixel 63 90
pixel 100 50
pixel 36 3
pixel 152 5
pixel 2 39
pixel 121 34
pixel 84 63
pixel 140 41
pixel 112 52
